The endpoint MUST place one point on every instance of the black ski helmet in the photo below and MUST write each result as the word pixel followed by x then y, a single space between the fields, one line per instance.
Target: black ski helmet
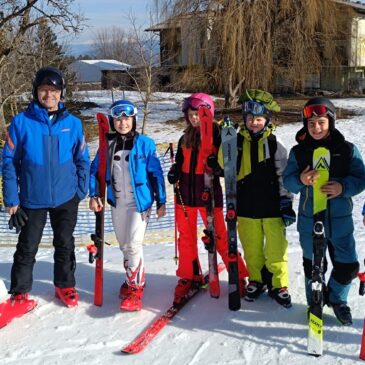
pixel 329 110
pixel 49 76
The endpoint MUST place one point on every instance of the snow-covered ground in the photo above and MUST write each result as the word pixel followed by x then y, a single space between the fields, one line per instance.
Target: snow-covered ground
pixel 205 332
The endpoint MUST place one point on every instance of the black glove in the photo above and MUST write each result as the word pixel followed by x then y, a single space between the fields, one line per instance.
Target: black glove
pixel 212 162
pixel 173 175
pixel 18 220
pixel 286 210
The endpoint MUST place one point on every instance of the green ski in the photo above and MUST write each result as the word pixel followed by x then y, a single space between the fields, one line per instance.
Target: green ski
pixel 321 163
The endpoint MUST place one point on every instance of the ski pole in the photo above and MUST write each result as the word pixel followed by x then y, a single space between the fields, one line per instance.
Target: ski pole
pixel 172 157
pixel 361 276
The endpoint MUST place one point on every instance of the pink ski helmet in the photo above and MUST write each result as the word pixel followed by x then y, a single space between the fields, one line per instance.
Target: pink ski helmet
pixel 195 101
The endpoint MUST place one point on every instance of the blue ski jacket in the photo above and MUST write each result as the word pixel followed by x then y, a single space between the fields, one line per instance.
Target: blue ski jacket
pixel 346 167
pixel 45 162
pixel 145 170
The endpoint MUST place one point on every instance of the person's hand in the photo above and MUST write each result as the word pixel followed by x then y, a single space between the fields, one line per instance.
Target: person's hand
pixel 286 211
pixel 95 204
pixel 18 220
pixel 11 210
pixel 161 211
pixel 212 162
pixel 173 175
pixel 332 189
pixel 309 177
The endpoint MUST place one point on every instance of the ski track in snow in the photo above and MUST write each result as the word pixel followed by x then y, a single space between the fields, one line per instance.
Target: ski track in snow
pixel 205 332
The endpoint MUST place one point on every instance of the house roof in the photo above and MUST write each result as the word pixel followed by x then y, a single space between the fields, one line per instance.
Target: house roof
pixel 175 22
pixel 107 65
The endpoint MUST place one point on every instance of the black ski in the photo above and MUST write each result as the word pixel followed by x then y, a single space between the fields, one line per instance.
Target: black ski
pixel 229 148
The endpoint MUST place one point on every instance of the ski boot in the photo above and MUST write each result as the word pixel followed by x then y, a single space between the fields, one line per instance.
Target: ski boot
pixel 182 290
pixel 132 301
pixel 16 306
pixel 184 286
pixel 124 289
pixel 254 290
pixel 281 296
pixel 342 313
pixel 68 296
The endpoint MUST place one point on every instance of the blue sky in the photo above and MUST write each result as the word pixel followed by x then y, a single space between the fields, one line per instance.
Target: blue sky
pixel 106 13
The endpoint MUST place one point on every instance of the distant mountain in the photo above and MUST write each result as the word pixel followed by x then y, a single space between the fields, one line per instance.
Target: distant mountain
pixel 79 49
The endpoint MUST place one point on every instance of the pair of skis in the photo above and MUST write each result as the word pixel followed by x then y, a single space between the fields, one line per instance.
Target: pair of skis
pixel 96 249
pixel 321 163
pixel 206 133
pixel 229 148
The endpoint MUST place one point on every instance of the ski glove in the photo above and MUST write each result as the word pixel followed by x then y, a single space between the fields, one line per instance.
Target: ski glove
pixel 212 162
pixel 287 212
pixel 173 175
pixel 18 220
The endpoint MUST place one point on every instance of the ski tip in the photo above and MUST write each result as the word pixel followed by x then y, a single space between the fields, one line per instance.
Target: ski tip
pixel 129 350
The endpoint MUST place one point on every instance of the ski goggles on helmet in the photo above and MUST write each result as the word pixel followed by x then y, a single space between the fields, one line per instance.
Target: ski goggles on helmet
pixel 123 110
pixel 315 110
pixel 253 107
pixel 193 103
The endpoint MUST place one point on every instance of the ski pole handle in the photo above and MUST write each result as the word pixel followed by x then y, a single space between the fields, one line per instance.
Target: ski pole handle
pixel 171 147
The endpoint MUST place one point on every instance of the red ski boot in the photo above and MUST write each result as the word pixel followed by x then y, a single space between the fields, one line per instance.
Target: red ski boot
pixel 68 296
pixel 15 306
pixel 182 290
pixel 133 299
pixel 124 290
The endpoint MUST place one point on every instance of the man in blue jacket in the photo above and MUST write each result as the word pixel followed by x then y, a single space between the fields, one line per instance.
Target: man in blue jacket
pixel 45 170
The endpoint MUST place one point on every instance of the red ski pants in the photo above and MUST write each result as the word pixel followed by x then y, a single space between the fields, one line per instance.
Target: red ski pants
pixel 187 240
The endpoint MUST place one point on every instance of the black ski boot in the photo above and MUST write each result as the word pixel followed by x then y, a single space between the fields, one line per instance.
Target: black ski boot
pixel 281 296
pixel 254 290
pixel 342 313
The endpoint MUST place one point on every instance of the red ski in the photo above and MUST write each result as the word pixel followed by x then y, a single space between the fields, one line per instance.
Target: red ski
pixel 206 134
pixel 96 250
pixel 142 340
pixel 11 309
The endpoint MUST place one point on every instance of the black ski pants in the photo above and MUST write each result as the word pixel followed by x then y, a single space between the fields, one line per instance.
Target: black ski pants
pixel 63 221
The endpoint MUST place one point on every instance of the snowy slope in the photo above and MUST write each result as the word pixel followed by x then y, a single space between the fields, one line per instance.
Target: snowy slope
pixel 205 331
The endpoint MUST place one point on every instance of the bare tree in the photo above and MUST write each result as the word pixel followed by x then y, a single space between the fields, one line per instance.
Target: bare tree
pixel 255 43
pixel 137 48
pixel 145 77
pixel 17 19
pixel 115 43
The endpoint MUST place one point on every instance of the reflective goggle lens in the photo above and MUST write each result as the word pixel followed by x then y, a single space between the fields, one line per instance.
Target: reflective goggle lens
pixel 194 103
pixel 123 110
pixel 316 110
pixel 254 108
